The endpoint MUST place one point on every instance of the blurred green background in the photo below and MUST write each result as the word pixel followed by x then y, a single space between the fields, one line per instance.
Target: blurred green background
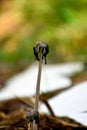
pixel 60 23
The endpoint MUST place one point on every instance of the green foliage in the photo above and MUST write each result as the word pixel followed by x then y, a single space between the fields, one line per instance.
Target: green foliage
pixel 60 23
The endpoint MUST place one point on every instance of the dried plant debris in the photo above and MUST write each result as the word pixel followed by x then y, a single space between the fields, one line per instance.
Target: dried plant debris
pixel 80 77
pixel 13 117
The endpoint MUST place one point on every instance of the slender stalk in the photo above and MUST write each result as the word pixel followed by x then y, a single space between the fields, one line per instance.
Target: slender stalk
pixel 35 127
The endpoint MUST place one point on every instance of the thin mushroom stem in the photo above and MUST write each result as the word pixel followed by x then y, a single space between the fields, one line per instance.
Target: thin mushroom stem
pixel 35 126
pixel 38 83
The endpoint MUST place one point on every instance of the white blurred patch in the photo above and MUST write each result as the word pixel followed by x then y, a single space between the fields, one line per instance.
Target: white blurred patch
pixel 70 103
pixel 53 77
pixel 80 117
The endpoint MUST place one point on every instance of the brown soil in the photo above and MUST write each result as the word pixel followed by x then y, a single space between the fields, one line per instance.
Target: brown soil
pixel 13 117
